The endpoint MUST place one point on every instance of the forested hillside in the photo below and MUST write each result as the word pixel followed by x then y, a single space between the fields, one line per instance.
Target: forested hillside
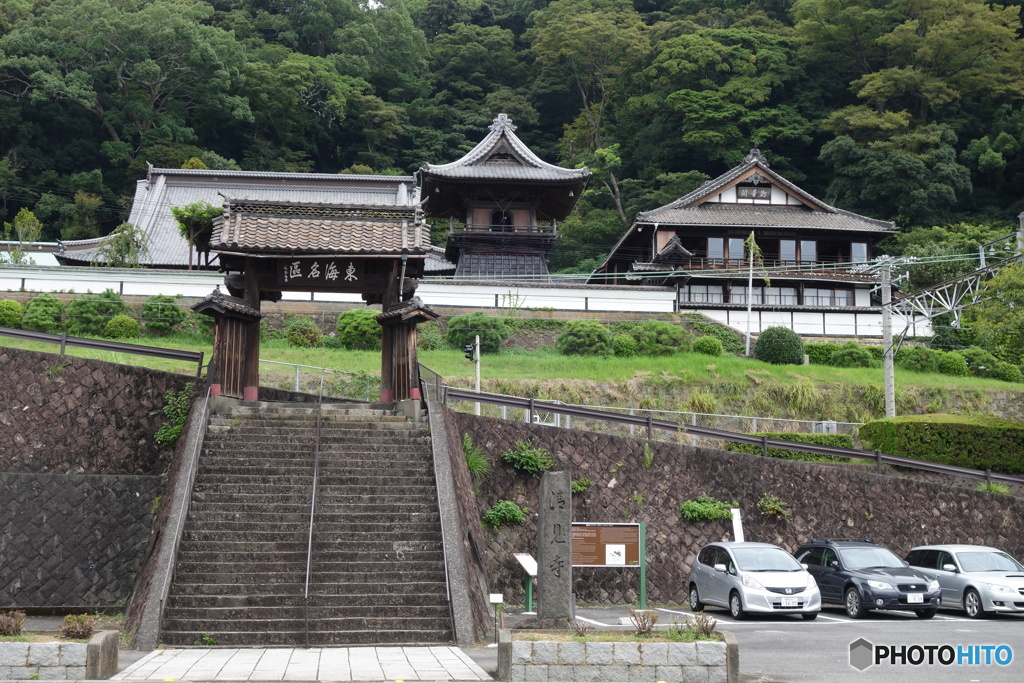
pixel 908 110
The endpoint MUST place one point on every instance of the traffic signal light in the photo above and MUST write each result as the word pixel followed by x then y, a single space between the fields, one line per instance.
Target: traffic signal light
pixel 469 351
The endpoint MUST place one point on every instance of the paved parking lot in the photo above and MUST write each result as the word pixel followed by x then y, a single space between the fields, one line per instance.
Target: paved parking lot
pixel 787 649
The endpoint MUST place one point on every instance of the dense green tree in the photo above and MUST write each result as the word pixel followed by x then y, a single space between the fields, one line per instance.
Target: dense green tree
pixel 998 318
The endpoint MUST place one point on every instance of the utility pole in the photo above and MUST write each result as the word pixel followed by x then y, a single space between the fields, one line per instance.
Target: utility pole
pixel 750 294
pixel 890 380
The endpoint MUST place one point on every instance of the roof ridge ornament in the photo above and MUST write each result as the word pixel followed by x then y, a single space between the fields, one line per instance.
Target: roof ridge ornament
pixel 501 123
pixel 755 155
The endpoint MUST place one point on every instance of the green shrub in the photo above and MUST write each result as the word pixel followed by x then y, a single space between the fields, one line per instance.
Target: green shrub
pixel 952 363
pixel 464 329
pixel 161 314
pixel 303 333
pixel 524 457
pixel 580 485
pixel 820 353
pixel 477 462
pixel 877 352
pixel 625 346
pixel 833 440
pixel 659 338
pixel 11 622
pixel 980 363
pixel 89 314
pixel 1007 372
pixel 853 355
pixel 706 509
pixel 584 338
pixel 176 410
pixel 504 513
pixel 971 441
pixel 359 329
pixel 731 340
pixel 772 506
pixel 709 346
pixel 429 337
pixel 121 327
pixel 993 487
pixel 77 627
pixel 44 313
pixel 779 346
pixel 11 313
pixel 918 359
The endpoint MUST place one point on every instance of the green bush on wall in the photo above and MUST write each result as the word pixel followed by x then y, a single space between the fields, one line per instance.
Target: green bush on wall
pixel 464 329
pixel 89 314
pixel 359 329
pixel 779 346
pixel 121 327
pixel 972 441
pixel 11 313
pixel 302 332
pixel 709 346
pixel 584 338
pixel 660 338
pixel 161 314
pixel 44 313
pixel 853 355
pixel 834 440
pixel 820 353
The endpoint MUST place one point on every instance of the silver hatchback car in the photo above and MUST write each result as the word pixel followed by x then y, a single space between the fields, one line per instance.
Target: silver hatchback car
pixel 974 578
pixel 752 577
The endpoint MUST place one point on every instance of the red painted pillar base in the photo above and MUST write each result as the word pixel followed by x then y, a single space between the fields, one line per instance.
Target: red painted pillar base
pixel 251 394
pixel 215 390
pixel 414 393
pixel 387 395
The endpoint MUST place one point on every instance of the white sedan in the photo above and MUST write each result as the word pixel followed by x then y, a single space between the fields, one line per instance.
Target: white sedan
pixel 975 578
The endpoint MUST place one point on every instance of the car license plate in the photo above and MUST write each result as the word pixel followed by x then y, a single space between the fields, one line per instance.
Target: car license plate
pixel 790 602
pixel 915 597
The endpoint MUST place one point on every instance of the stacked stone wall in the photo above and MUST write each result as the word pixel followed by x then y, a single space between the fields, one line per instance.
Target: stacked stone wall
pixel 824 501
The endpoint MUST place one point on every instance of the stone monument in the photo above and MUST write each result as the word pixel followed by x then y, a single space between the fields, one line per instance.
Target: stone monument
pixel 554 551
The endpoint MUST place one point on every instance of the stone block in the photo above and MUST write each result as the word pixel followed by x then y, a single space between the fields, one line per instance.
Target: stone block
pixel 13 654
pixel 718 674
pixel 587 674
pixel 522 652
pixel 55 673
pixel 571 653
pixel 654 654
pixel 697 674
pixel 640 674
pixel 44 654
pixel 599 654
pixel 710 653
pixel 562 672
pixel 75 673
pixel 23 673
pixel 615 672
pixel 669 674
pixel 73 654
pixel 535 672
pixel 682 654
pixel 626 653
pixel 5 673
pixel 517 672
pixel 545 652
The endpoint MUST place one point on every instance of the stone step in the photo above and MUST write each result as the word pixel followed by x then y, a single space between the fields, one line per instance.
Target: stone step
pixel 232 594
pixel 293 409
pixel 421 496
pixel 326 478
pixel 281 613
pixel 372 621
pixel 288 431
pixel 323 533
pixel 248 569
pixel 328 467
pixel 320 580
pixel 260 637
pixel 228 519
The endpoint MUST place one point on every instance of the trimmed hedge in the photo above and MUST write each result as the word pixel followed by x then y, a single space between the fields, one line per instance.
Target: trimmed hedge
pixel 820 353
pixel 834 440
pixel 779 346
pixel 972 441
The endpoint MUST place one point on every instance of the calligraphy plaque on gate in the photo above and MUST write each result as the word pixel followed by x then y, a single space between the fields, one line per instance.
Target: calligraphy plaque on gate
pixel 605 545
pixel 336 272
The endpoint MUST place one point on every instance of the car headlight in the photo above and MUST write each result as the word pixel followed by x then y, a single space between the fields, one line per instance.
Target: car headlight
pixel 751 582
pixel 999 588
pixel 933 586
pixel 880 585
pixel 811 583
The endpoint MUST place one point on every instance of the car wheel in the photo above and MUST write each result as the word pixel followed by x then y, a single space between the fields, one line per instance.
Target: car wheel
pixel 854 605
pixel 736 606
pixel 695 604
pixel 810 616
pixel 926 613
pixel 972 604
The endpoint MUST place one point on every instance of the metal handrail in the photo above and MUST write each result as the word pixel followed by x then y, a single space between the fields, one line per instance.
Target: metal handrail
pixel 531 405
pixel 99 344
pixel 186 503
pixel 312 507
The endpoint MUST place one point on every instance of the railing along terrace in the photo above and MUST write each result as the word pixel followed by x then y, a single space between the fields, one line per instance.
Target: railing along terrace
pixel 650 428
pixel 359 386
pixel 548 228
pixel 822 264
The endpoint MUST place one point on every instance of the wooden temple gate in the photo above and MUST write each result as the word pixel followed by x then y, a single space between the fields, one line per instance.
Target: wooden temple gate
pixel 267 248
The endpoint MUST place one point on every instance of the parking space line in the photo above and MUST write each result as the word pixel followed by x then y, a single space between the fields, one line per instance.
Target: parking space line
pixel 591 621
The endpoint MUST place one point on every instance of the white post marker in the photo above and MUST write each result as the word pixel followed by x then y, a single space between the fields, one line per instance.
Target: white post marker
pixel 476 357
pixel 496 599
pixel 737 525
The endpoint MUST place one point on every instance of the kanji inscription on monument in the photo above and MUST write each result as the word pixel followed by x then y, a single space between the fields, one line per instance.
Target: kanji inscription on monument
pixel 554 550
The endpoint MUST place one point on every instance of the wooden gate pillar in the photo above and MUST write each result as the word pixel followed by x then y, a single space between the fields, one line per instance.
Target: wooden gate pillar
pixel 234 320
pixel 400 376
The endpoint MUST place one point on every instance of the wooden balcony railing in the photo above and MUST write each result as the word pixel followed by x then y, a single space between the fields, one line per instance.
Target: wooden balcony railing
pixel 540 228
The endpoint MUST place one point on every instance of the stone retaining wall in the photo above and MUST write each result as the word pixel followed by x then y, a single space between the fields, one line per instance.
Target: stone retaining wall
pixel 539 660
pixel 60 661
pixel 824 501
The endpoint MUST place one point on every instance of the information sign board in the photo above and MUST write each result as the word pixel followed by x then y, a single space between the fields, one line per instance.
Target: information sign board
pixel 605 545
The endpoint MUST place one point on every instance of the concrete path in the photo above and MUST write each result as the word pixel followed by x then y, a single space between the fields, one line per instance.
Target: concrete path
pixel 313 664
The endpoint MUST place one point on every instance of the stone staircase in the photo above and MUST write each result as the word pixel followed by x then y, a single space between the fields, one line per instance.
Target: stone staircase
pixel 378 575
